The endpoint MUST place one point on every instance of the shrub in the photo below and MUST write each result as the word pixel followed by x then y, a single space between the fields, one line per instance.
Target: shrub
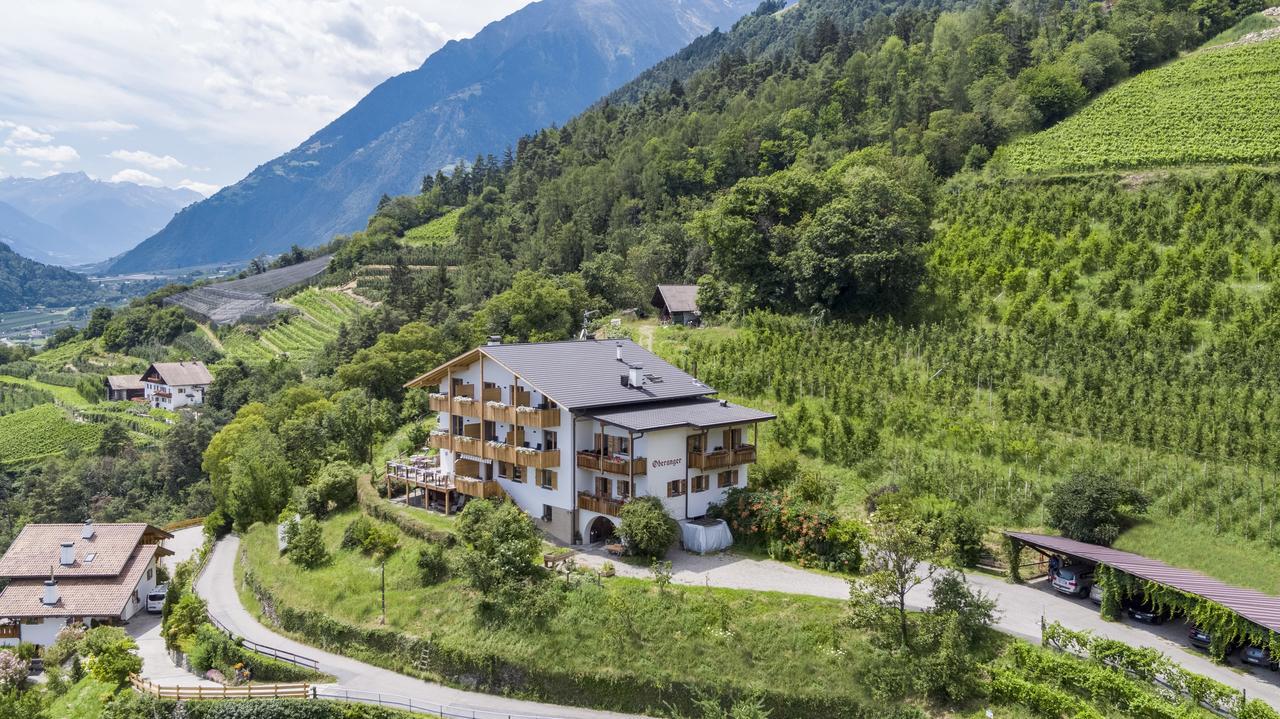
pixel 370 538
pixel 13 669
pixel 111 658
pixel 334 489
pixel 184 619
pixel 65 644
pixel 810 535
pixel 646 527
pixel 433 567
pixel 1093 507
pixel 306 545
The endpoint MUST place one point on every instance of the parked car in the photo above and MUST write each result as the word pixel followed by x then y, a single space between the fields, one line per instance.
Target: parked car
pixel 1095 594
pixel 1142 611
pixel 1200 639
pixel 155 599
pixel 1075 580
pixel 1259 656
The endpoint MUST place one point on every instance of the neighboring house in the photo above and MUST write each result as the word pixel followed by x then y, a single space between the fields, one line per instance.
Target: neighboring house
pixel 89 573
pixel 677 304
pixel 170 385
pixel 125 388
pixel 572 430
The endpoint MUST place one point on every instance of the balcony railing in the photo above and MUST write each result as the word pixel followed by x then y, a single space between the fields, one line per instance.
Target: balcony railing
pixel 473 487
pixel 722 458
pixel 500 451
pixel 606 463
pixel 438 440
pixel 539 418
pixel 467 407
pixel 600 505
pixel 538 459
pixel 491 394
pixel 438 402
pixel 471 445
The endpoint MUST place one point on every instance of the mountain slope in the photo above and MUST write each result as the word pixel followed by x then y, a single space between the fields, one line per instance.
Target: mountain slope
pixel 24 282
pixel 32 238
pixel 94 219
pixel 1216 105
pixel 539 66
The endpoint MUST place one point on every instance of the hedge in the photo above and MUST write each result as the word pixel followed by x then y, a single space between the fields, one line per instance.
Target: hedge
pixel 145 707
pixel 606 688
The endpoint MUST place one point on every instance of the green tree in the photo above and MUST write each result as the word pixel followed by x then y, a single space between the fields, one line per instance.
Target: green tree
pixel 646 527
pixel 1094 507
pixel 536 309
pixel 306 544
pixel 901 557
pixel 115 440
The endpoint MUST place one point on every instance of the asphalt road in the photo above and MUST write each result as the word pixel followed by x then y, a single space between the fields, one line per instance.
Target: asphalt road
pixel 217 587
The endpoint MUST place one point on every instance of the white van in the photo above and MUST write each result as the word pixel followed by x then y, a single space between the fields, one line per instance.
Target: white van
pixel 155 600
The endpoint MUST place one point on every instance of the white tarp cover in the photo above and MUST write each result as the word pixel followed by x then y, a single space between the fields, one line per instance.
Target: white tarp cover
pixel 705 536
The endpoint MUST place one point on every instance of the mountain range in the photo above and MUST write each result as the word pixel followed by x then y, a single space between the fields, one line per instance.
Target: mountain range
pixel 72 219
pixel 539 66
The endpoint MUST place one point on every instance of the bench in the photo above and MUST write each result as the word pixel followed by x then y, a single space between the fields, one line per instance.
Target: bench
pixel 552 560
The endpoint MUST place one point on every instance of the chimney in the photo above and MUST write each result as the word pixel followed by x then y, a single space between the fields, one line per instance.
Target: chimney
pixel 617 353
pixel 634 374
pixel 68 556
pixel 50 593
pixel 495 340
pixel 87 531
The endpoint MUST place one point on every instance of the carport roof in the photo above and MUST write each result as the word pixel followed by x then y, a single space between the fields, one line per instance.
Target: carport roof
pixel 1261 609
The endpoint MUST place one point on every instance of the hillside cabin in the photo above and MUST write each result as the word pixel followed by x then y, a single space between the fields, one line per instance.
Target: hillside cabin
pixel 125 388
pixel 171 385
pixel 677 304
pixel 572 431
pixel 59 574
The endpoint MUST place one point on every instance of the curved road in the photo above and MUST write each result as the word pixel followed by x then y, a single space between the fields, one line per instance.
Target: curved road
pixel 218 587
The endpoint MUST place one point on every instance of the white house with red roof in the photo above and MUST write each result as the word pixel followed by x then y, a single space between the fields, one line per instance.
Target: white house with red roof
pixel 170 385
pixel 64 573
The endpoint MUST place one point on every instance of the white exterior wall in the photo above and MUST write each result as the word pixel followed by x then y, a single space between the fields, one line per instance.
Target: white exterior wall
pixel 182 395
pixel 43 633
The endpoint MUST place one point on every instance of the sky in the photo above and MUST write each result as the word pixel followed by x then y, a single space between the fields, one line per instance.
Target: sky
pixel 196 93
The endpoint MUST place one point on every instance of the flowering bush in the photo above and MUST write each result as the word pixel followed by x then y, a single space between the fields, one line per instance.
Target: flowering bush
pixel 13 671
pixel 793 529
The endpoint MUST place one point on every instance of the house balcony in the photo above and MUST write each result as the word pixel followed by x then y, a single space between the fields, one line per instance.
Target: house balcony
pixel 600 505
pixel 437 402
pixel 438 440
pixel 491 394
pixel 606 463
pixel 538 459
pixel 723 458
pixel 480 488
pixel 473 446
pixel 467 407
pixel 536 418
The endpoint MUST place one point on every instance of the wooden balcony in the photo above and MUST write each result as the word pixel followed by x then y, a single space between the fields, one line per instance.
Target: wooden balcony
pixel 491 394
pixel 538 459
pixel 538 418
pixel 464 390
pixel 600 505
pixel 467 407
pixel 499 412
pixel 501 452
pixel 473 446
pixel 605 463
pixel 473 487
pixel 723 458
pixel 438 441
pixel 438 403
pixel 11 630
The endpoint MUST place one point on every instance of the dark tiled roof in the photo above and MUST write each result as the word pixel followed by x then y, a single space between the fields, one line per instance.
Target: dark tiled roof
pixel 88 597
pixel 700 412
pixel 179 374
pixel 1259 608
pixel 39 547
pixel 679 298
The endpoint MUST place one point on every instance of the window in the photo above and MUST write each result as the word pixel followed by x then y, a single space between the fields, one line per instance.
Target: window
pixel 546 512
pixel 613 445
pixel 546 479
pixel 549 440
pixel 33 620
pixel 676 488
pixel 728 478
pixel 602 486
pixel 700 483
pixel 150 573
pixel 624 488
pixel 517 473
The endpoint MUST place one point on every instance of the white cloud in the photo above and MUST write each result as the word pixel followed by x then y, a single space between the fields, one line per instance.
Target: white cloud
pixel 203 188
pixel 137 177
pixel 23 135
pixel 103 126
pixel 147 160
pixel 48 153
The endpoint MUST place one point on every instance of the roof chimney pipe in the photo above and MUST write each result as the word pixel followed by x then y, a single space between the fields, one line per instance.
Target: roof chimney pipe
pixel 618 351
pixel 495 340
pixel 50 597
pixel 87 531
pixel 634 375
pixel 68 555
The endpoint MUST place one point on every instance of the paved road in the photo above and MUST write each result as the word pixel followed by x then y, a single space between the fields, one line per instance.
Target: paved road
pixel 145 628
pixel 217 587
pixel 1021 606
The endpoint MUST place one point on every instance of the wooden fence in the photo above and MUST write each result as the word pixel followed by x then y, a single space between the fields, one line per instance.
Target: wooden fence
pixel 247 691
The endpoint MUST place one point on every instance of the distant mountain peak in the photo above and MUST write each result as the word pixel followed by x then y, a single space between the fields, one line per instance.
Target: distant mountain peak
pixel 540 65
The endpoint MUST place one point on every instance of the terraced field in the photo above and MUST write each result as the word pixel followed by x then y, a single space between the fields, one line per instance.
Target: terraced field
pixel 1213 106
pixel 43 431
pixel 436 232
pixel 320 313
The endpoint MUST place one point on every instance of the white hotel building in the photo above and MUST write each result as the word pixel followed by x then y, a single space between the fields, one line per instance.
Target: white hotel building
pixel 570 431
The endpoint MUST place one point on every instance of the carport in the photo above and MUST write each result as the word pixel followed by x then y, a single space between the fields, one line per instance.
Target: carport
pixel 1260 610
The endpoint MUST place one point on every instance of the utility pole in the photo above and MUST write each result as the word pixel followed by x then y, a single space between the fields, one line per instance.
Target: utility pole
pixel 384 590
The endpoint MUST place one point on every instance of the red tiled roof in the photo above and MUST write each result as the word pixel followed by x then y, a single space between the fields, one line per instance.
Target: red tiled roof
pixel 87 597
pixel 1261 609
pixel 37 550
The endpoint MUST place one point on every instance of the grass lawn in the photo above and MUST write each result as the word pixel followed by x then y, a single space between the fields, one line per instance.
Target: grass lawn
pixel 724 638
pixel 82 701
pixel 1232 559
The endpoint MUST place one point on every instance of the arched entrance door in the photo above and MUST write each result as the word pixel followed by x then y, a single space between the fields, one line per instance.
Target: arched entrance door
pixel 600 530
